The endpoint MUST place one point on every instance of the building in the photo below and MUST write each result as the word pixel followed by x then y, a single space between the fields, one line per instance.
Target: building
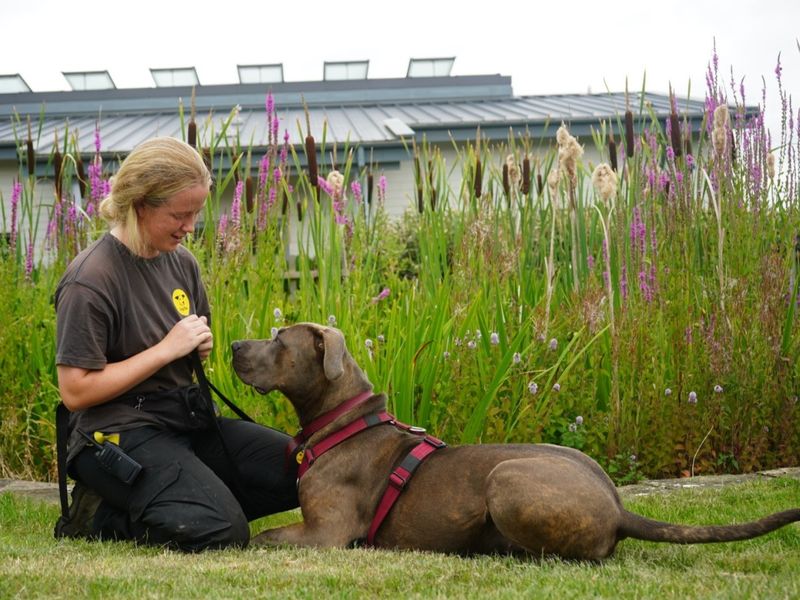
pixel 378 118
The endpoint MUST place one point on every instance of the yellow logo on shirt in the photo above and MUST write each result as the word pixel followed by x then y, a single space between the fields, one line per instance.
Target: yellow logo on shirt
pixel 181 302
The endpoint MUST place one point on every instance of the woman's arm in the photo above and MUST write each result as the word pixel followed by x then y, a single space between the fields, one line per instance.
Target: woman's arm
pixel 81 388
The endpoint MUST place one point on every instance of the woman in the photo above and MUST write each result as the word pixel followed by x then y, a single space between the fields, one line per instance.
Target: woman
pixel 131 309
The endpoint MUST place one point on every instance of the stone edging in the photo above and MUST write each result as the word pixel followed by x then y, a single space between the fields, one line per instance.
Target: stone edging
pixel 48 492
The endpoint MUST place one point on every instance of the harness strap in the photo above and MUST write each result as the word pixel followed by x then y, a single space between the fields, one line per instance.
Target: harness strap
pixel 329 417
pixel 309 455
pixel 398 480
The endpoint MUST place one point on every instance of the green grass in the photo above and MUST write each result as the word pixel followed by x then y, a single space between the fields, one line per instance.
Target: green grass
pixel 34 565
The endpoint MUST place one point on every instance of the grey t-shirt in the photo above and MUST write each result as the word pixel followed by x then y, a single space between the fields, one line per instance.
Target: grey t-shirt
pixel 110 305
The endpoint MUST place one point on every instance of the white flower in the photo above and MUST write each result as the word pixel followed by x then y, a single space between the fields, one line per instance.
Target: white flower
pixel 472 345
pixel 277 314
pixel 368 343
pixel 532 387
pixel 494 338
pixel 579 420
pixel 556 387
pixel 517 358
pixel 331 320
pixel 274 332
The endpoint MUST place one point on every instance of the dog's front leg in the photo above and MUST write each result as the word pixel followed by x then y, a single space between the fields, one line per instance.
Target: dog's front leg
pixel 300 534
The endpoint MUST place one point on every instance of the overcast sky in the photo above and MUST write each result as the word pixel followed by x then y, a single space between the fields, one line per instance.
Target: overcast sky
pixel 546 47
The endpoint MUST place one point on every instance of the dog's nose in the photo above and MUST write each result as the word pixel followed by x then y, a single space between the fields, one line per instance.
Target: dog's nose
pixel 235 346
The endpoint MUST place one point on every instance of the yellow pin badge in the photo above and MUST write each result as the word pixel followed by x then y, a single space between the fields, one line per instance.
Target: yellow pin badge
pixel 181 301
pixel 299 456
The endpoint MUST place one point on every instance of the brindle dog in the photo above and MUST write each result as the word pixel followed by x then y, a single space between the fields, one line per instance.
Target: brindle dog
pixel 535 498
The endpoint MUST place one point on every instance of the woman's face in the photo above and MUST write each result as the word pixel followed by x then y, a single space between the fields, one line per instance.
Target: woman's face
pixel 164 227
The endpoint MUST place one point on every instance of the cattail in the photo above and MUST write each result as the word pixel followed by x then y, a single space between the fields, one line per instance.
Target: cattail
pixel 612 152
pixel 31 153
pixel 539 184
pixel 207 158
pixel 249 193
pixel 506 183
pixel 418 181
pixel 299 206
pixel 58 162
pixel 526 176
pixel 430 185
pixel 311 157
pixel 628 134
pixel 513 171
pixel 605 181
pixel 478 182
pixel 719 134
pixel 771 165
pixel 370 186
pixel 569 152
pixel 191 135
pixel 81 174
pixel 675 134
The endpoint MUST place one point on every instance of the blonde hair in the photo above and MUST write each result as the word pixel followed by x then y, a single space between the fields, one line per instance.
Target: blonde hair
pixel 153 172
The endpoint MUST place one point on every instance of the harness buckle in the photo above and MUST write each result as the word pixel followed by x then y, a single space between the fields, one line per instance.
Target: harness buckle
pixel 398 481
pixel 416 430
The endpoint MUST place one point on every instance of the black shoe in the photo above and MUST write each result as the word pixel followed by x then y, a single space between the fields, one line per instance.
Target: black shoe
pixel 80 523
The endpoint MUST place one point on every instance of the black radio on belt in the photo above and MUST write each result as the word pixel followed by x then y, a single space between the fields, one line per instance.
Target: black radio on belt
pixel 114 460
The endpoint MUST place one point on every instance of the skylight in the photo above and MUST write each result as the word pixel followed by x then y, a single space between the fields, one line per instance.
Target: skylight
pixel 430 67
pixel 342 70
pixel 13 84
pixel 89 80
pixel 175 77
pixel 261 73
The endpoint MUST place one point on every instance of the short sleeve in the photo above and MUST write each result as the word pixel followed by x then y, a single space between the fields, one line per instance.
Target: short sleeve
pixel 83 327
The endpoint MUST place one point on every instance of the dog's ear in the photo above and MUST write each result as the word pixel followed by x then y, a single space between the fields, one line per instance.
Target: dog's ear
pixel 333 361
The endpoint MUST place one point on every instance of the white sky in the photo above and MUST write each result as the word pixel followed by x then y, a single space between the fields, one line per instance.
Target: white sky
pixel 548 47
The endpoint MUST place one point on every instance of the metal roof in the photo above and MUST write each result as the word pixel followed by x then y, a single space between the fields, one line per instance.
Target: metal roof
pixel 436 108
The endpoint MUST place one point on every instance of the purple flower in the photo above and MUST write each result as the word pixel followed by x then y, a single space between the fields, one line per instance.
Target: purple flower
pixel 579 420
pixel 668 392
pixel 16 192
pixel 718 389
pixel 494 338
pixel 446 355
pixel 368 343
pixel 517 358
pixel 692 397
pixel 273 333
pixel 590 262
pixel 324 186
pixel 263 170
pixel 331 320
pixel 556 387
pixel 382 189
pixel 532 387
pixel 277 314
pixel 236 205
pixel 97 142
pixel 29 260
pixel 472 345
pixel 670 154
pixel 355 186
pixel 382 296
pixel 553 344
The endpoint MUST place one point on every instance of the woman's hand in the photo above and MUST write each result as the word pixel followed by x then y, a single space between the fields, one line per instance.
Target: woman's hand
pixel 204 349
pixel 189 333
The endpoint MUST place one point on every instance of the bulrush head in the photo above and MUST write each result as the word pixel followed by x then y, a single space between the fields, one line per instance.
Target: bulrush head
pixel 629 133
pixel 612 152
pixel 30 152
pixel 526 176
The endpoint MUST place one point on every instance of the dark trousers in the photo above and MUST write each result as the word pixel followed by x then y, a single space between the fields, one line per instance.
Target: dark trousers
pixel 188 495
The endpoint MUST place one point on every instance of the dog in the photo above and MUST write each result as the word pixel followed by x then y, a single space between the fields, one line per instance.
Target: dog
pixel 539 499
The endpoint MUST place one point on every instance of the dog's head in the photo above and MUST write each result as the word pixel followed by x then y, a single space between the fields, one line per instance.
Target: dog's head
pixel 308 363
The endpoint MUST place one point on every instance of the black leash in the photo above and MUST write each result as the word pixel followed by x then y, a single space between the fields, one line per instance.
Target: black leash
pixel 206 386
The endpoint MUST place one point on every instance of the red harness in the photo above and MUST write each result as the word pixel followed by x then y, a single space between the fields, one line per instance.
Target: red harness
pixel 398 478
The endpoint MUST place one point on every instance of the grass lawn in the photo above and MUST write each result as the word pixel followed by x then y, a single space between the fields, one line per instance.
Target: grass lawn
pixel 34 565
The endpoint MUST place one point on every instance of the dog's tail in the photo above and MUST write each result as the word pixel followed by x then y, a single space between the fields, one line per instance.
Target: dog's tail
pixel 642 528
